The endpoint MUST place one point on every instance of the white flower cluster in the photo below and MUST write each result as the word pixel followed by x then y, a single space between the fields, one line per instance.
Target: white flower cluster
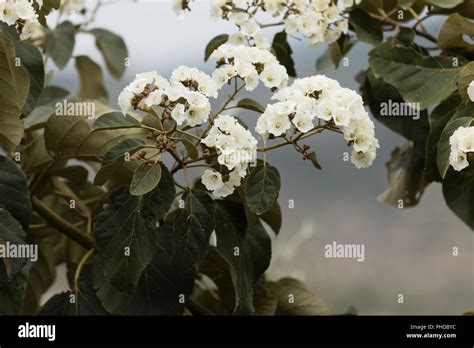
pixel 252 64
pixel 185 96
pixel 323 98
pixel 321 21
pixel 470 91
pixel 318 20
pixel 236 147
pixel 462 143
pixel 12 11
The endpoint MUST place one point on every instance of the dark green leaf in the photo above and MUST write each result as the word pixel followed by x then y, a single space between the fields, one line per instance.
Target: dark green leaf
pixel 60 43
pixel 248 249
pixel 129 146
pixel 273 218
pixel 14 87
pixel 125 241
pixel 465 78
pixel 92 79
pixel 14 195
pixel 459 196
pixel 438 119
pixel 145 179
pixel 193 226
pixel 262 188
pixel 214 45
pixel 367 29
pixel 250 104
pixel 409 71
pixel 13 271
pixel 115 120
pixel 160 288
pixel 32 60
pixel 50 95
pixel 283 52
pixel 113 49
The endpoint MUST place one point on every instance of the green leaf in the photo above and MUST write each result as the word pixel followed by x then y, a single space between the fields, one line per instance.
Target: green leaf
pixel 305 302
pixel 419 79
pixel 115 120
pixel 160 286
pixel 157 204
pixel 273 218
pixel 129 146
pixel 92 79
pixel 60 43
pixel 445 3
pixel 13 271
pixel 72 136
pixel 14 195
pixel 459 196
pixel 453 30
pixel 214 45
pixel 368 29
pixel 14 87
pixel 190 148
pixel 283 52
pixel 85 302
pixel 43 272
pixel 247 249
pixel 50 95
pixel 444 148
pixel 335 52
pixel 38 117
pixel 223 274
pixel 145 179
pixel 264 300
pixel 32 60
pixel 113 49
pixel 262 188
pixel 125 241
pixel 250 104
pixel 380 95
pixel 192 229
pixel 438 119
pixel 465 78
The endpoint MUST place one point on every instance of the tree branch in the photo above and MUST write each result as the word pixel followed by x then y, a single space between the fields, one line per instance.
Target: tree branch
pixel 62 225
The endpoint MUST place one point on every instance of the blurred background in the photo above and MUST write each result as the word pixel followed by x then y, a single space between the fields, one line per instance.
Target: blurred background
pixel 407 251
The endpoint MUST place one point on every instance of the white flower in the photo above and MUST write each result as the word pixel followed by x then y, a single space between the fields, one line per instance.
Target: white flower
pixel 470 91
pixel 237 39
pixel 462 143
pixel 277 124
pixel 303 122
pixel 250 28
pixel 274 76
pixel 458 160
pixel 362 159
pixel 212 180
pixel 239 18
